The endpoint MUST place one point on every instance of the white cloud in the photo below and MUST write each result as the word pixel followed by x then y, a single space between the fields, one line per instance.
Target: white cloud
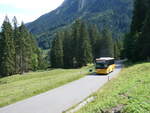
pixel 27 10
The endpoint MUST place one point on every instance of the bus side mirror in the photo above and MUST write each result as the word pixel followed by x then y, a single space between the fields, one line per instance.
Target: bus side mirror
pixel 90 70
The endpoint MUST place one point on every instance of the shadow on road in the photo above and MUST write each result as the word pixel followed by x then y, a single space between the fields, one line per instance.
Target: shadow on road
pixel 94 74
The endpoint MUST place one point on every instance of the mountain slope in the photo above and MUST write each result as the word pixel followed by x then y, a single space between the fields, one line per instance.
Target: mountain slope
pixel 116 14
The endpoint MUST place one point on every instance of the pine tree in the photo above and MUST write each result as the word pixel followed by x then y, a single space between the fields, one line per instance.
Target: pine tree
pixel 133 41
pixel 1 52
pixel 68 50
pixel 144 41
pixel 16 37
pixel 95 38
pixel 42 60
pixel 7 49
pixel 118 48
pixel 107 47
pixel 76 42
pixel 57 52
pixel 25 49
pixel 77 48
pixel 141 8
pixel 130 45
pixel 34 54
pixel 139 15
pixel 86 46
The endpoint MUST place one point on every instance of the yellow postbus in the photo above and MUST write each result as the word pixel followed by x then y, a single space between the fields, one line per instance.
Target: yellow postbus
pixel 105 65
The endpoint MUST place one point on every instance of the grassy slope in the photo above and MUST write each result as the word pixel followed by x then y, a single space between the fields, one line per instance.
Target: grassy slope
pixel 130 92
pixel 18 87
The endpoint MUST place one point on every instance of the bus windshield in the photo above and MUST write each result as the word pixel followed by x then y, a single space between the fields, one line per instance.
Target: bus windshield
pixel 101 65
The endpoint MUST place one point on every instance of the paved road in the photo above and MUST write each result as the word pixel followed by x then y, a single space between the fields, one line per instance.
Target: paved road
pixel 62 98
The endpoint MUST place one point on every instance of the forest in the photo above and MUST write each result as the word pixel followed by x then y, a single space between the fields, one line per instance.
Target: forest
pixel 81 44
pixel 18 50
pixel 137 41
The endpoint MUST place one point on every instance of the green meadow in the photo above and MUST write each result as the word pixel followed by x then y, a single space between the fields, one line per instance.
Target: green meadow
pixel 18 87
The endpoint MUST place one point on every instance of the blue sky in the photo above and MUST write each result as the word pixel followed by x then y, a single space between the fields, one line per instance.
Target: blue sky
pixel 26 10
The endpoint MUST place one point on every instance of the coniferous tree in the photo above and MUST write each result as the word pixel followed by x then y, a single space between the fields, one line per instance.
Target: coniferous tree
pixel 16 37
pixel 42 60
pixel 34 54
pixel 139 15
pixel 23 50
pixel 76 42
pixel 26 49
pixel 57 52
pixel 130 45
pixel 86 49
pixel 118 48
pixel 1 52
pixel 107 47
pixel 82 45
pixel 143 42
pixel 68 50
pixel 95 38
pixel 133 42
pixel 7 49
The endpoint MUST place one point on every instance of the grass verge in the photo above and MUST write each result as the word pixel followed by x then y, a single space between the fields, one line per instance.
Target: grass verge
pixel 128 93
pixel 19 87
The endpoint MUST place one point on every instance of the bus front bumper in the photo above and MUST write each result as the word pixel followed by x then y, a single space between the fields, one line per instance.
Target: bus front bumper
pixel 101 71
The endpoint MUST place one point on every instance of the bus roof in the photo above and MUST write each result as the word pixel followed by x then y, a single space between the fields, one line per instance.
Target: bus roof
pixel 105 58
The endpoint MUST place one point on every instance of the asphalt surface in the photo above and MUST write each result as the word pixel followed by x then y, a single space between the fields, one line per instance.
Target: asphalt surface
pixel 62 98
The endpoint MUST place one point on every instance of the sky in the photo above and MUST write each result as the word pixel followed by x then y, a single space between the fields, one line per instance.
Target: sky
pixel 26 10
